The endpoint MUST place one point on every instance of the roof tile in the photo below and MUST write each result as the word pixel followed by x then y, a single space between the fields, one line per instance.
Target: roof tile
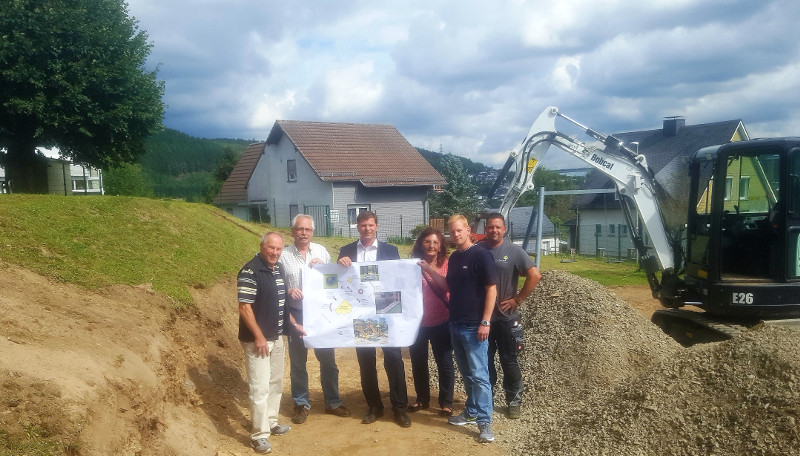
pixel 234 190
pixel 374 154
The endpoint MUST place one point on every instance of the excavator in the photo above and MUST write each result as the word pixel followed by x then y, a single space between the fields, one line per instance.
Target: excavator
pixel 722 246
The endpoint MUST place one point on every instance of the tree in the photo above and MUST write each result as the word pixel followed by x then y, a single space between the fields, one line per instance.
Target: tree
pixel 557 207
pixel 72 75
pixel 128 180
pixel 459 196
pixel 222 171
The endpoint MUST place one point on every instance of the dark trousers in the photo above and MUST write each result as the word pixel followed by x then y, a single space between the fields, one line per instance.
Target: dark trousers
pixel 395 371
pixel 501 341
pixel 439 337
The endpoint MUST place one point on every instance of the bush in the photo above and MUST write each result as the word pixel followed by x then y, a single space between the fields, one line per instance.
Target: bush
pixel 417 230
pixel 400 240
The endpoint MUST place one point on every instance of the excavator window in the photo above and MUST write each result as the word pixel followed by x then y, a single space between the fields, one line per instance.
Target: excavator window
pixel 792 198
pixel 748 244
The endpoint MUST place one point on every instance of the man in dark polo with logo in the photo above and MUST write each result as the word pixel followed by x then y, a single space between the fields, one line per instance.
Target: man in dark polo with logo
pixel 510 262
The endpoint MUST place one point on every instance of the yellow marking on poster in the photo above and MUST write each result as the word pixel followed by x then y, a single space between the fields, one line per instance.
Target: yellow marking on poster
pixel 343 308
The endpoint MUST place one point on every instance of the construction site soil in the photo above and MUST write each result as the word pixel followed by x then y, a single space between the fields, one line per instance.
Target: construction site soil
pixel 119 371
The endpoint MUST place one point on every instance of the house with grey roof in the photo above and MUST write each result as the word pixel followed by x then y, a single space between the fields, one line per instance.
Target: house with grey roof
pixel 334 171
pixel 600 226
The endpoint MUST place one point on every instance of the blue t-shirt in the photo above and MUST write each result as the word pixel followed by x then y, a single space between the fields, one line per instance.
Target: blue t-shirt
pixel 468 274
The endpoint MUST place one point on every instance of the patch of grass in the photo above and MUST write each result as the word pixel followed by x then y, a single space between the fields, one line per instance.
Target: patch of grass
pixel 599 269
pixel 35 442
pixel 96 241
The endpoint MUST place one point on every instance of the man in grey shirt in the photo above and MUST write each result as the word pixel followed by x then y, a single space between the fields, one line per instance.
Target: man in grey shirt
pixel 511 262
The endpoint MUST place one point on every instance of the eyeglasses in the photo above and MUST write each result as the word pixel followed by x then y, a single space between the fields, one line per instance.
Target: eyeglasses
pixel 304 230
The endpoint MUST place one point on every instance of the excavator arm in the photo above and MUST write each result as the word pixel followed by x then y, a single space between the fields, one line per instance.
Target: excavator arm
pixel 634 181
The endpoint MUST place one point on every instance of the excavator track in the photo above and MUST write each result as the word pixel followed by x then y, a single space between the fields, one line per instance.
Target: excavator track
pixel 688 327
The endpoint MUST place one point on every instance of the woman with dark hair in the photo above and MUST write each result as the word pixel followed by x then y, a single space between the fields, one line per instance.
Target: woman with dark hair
pixel 431 248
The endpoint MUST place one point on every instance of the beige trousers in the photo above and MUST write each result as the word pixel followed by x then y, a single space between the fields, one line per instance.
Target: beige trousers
pixel 265 377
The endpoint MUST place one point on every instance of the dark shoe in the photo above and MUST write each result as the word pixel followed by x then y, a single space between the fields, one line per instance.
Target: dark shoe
pixel 340 411
pixel 446 411
pixel 417 406
pixel 372 415
pixel 462 419
pixel 514 412
pixel 300 414
pixel 401 418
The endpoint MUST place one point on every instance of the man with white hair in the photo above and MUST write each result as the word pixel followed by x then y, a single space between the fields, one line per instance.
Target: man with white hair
pixel 305 254
pixel 261 294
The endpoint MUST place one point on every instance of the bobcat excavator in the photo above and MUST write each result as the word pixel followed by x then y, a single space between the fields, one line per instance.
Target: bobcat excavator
pixel 728 243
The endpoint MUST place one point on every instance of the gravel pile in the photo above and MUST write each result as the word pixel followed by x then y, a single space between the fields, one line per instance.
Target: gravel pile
pixel 580 338
pixel 601 379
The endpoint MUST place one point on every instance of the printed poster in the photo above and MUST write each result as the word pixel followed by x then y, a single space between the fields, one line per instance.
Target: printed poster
pixel 370 304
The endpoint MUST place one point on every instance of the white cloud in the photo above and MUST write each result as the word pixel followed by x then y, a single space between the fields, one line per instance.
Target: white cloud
pixel 471 76
pixel 350 91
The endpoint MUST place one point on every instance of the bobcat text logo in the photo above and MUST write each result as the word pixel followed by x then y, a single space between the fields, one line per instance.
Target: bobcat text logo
pixel 602 161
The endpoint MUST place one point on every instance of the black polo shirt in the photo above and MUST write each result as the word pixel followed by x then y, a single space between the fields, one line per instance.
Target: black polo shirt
pixel 264 289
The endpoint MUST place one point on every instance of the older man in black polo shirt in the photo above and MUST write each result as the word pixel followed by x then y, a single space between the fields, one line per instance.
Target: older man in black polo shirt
pixel 261 294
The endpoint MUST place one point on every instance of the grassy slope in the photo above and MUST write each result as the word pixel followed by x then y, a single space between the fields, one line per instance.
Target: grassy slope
pixel 100 241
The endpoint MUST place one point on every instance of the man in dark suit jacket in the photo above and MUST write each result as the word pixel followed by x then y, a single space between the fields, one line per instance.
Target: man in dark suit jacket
pixel 367 248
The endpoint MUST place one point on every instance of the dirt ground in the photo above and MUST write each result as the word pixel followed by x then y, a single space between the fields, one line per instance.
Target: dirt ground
pixel 117 371
pixel 639 297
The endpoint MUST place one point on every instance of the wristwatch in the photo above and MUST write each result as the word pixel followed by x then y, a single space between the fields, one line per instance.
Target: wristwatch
pixel 485 323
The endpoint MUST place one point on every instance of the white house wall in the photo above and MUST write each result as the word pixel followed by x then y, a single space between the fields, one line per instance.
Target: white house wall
pixel 614 244
pixel 306 190
pixel 237 211
pixel 399 209
pixel 549 245
pixel 258 186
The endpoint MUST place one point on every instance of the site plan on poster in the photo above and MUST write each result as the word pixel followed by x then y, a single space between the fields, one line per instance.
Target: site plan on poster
pixel 369 304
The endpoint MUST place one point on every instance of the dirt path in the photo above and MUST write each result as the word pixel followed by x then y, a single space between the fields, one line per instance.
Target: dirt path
pixel 120 372
pixel 639 297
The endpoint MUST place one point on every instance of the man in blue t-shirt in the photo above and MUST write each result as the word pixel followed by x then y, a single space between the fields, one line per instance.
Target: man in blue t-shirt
pixel 473 291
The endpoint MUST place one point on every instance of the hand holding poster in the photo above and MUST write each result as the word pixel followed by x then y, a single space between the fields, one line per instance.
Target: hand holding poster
pixel 370 304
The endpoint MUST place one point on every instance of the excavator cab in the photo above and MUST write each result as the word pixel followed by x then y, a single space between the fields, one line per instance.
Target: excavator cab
pixel 742 254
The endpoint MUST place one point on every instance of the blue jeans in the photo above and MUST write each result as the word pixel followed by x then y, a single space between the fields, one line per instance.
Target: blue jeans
pixel 328 371
pixel 472 358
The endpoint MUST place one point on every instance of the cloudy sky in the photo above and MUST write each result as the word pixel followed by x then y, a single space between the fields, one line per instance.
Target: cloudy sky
pixel 469 77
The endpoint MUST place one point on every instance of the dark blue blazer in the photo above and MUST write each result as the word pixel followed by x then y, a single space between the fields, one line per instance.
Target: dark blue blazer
pixel 385 251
